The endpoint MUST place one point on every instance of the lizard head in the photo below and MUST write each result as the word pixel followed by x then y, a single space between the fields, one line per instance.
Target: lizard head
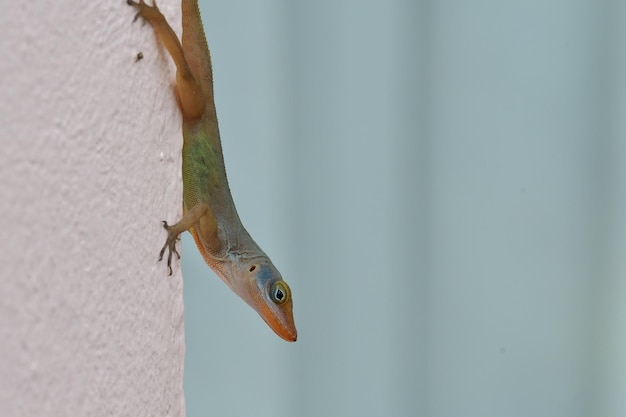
pixel 259 284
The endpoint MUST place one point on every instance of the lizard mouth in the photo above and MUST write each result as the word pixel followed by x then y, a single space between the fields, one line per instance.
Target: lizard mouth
pixel 287 331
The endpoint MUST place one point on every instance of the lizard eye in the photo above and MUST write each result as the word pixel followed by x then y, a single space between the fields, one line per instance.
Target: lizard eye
pixel 280 292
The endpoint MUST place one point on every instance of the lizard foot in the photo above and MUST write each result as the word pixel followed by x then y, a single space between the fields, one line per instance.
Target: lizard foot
pixel 145 11
pixel 170 245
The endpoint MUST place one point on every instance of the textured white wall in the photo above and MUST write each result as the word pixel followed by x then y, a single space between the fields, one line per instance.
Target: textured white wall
pixel 90 323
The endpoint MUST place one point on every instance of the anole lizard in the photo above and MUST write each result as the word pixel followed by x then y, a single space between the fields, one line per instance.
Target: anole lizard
pixel 208 209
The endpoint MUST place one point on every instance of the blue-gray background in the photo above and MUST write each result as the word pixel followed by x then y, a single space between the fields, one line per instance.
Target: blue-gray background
pixel 442 183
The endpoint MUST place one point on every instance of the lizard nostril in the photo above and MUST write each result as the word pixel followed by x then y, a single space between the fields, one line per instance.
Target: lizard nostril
pixel 252 268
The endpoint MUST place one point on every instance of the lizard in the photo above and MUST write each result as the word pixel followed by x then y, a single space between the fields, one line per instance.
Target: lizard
pixel 209 212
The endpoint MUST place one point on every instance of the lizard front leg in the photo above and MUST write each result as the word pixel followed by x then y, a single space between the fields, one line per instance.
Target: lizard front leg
pixel 200 214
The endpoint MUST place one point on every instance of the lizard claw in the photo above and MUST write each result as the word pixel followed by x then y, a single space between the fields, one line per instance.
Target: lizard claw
pixel 170 245
pixel 145 11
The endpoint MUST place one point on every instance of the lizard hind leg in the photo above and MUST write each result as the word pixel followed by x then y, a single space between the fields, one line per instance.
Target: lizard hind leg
pixel 147 12
pixel 191 97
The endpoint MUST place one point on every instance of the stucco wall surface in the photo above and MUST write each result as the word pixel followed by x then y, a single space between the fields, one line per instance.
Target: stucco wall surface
pixel 90 323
